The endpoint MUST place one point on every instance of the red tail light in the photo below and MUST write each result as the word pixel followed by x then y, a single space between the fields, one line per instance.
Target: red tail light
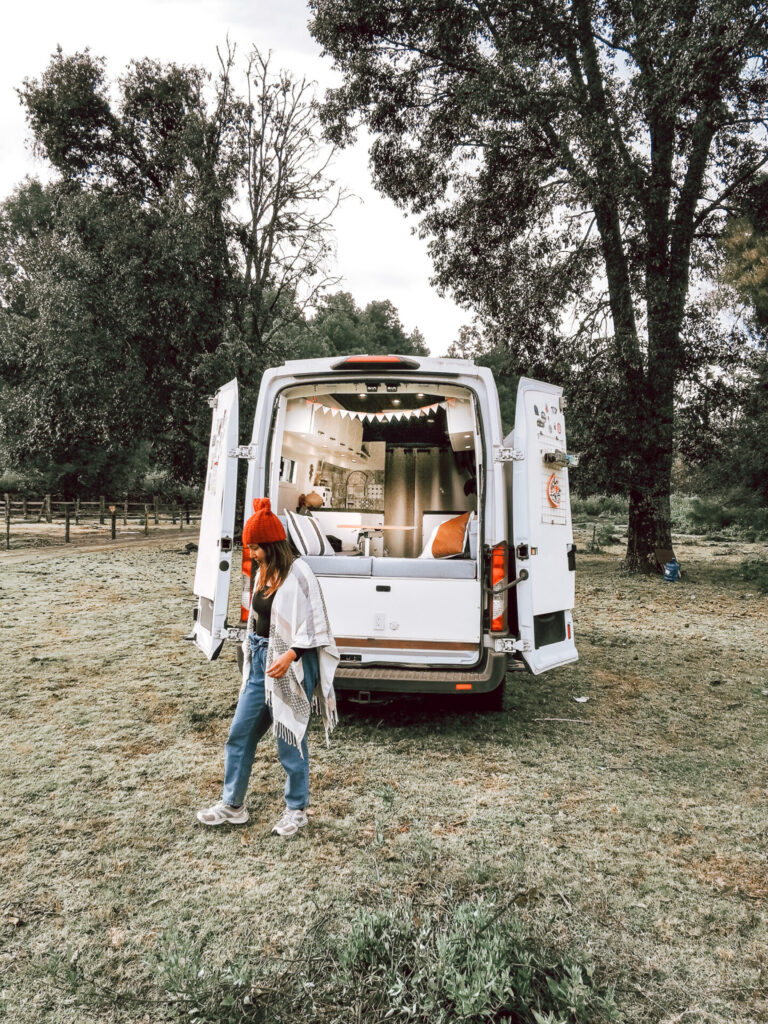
pixel 499 563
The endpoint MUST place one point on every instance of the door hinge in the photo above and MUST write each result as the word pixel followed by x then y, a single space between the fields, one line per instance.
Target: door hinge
pixel 508 646
pixel 246 451
pixel 502 454
pixel 230 633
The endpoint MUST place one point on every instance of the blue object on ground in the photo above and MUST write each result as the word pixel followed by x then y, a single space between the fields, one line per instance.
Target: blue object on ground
pixel 672 572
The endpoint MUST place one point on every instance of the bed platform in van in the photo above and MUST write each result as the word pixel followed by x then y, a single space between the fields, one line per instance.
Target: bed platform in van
pixel 401 568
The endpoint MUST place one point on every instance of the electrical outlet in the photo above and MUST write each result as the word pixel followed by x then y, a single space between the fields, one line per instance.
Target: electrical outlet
pixel 379 622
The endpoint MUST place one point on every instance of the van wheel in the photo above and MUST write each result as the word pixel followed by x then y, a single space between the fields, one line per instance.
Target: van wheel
pixel 492 701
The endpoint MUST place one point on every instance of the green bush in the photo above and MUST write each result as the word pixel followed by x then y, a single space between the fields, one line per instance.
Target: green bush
pixel 599 505
pixel 735 513
pixel 202 993
pixel 474 962
pixel 17 482
pixel 755 572
pixel 602 535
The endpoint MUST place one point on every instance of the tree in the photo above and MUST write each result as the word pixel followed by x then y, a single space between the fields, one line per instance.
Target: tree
pixel 339 327
pixel 182 242
pixel 740 451
pixel 72 400
pixel 284 241
pixel 569 159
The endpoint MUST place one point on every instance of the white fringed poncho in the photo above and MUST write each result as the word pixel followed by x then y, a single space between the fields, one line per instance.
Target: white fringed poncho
pixel 299 619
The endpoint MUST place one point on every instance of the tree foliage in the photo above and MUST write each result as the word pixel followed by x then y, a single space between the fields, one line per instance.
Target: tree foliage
pixel 340 327
pixel 182 241
pixel 571 161
pixel 737 458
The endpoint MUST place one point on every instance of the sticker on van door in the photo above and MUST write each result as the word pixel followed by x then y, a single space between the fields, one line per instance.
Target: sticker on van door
pixel 554 498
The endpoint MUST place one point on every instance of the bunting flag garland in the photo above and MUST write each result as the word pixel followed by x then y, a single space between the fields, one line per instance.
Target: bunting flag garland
pixel 389 416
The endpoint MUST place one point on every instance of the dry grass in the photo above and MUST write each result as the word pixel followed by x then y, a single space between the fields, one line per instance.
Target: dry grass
pixel 636 836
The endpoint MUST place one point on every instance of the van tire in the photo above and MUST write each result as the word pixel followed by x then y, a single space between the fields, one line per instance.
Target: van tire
pixel 491 701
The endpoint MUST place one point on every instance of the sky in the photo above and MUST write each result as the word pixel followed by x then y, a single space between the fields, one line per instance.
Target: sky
pixel 378 255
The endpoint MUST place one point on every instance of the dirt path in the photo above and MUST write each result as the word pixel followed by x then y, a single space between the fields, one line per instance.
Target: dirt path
pixel 82 545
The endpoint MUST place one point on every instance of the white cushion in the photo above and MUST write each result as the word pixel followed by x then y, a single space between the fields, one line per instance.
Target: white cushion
pixel 307 536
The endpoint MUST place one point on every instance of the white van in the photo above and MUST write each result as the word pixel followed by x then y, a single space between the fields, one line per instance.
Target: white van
pixel 408 456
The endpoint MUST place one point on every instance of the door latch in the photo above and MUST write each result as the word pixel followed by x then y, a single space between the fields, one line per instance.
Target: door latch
pixel 246 451
pixel 502 454
pixel 231 633
pixel 508 646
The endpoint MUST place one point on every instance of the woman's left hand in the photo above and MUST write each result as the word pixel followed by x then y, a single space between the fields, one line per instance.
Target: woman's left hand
pixel 280 665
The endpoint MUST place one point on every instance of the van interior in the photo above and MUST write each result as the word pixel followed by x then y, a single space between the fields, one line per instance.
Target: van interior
pixel 383 454
pixel 391 461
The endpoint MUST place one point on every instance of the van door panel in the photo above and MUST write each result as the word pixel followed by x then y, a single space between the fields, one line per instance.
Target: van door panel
pixel 541 522
pixel 214 554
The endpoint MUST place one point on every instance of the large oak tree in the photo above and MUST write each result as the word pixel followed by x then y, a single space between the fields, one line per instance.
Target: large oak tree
pixel 569 159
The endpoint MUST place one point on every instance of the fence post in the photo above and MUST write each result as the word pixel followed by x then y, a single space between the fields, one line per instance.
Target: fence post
pixel 113 511
pixel 155 506
pixel 102 509
pixel 173 512
pixel 66 521
pixel 77 511
pixel 125 511
pixel 48 508
pixel 7 524
pixel 24 505
pixel 181 517
pixel 186 509
pixel 146 520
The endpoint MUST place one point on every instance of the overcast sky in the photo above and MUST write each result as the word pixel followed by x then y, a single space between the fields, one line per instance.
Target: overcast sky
pixel 378 256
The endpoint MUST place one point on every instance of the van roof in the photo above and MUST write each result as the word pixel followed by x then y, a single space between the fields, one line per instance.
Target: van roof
pixel 410 364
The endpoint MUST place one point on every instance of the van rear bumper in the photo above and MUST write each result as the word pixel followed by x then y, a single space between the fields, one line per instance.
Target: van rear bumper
pixel 385 679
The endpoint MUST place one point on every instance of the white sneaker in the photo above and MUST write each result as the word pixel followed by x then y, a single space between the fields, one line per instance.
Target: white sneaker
pixel 290 823
pixel 221 813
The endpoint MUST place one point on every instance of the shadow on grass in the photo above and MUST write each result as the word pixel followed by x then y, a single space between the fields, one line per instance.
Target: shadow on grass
pixel 464 715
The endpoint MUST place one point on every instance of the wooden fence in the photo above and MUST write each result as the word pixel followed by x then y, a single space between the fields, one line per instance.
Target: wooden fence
pixel 46 508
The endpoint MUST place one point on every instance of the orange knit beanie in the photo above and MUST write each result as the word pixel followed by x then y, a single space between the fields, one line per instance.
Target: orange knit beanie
pixel 263 527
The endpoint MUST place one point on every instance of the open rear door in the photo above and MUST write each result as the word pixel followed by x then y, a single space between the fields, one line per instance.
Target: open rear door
pixel 542 528
pixel 214 555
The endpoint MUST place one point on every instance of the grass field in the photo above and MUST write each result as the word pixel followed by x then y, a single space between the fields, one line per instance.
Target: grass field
pixel 625 834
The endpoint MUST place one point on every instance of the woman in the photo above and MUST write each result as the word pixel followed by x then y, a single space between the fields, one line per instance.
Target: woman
pixel 288 649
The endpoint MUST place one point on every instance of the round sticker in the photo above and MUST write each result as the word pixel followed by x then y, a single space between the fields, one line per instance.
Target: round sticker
pixel 553 491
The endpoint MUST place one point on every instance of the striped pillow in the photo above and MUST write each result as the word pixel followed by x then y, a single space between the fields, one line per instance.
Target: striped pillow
pixel 306 535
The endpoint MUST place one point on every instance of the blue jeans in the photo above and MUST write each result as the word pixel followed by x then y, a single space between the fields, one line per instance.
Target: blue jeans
pixel 253 718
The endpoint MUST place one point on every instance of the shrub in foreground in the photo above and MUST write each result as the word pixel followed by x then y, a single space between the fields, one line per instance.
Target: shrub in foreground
pixel 472 962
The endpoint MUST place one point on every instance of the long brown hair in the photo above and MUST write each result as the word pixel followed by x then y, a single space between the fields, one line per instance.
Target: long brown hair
pixel 276 565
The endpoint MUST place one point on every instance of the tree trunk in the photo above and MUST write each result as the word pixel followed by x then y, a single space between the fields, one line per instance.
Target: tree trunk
pixel 650 524
pixel 650 519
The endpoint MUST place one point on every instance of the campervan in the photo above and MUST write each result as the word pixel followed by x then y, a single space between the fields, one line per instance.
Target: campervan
pixel 443 549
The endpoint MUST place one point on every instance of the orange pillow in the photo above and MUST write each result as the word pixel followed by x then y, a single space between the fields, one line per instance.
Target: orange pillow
pixel 449 539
